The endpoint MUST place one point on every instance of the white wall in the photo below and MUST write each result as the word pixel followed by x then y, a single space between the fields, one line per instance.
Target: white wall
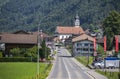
pixel 64 36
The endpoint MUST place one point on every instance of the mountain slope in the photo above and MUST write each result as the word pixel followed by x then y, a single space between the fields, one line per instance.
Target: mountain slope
pixel 28 14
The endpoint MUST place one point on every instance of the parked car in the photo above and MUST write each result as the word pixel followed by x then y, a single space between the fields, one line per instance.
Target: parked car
pixel 99 64
pixel 107 63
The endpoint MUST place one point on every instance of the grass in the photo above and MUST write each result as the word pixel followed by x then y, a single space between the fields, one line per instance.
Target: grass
pixel 84 60
pixel 23 70
pixel 110 75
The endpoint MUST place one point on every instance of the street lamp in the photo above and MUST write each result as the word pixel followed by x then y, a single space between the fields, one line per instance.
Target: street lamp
pixel 38 40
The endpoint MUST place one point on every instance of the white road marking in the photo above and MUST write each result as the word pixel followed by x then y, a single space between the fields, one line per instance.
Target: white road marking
pixel 67 69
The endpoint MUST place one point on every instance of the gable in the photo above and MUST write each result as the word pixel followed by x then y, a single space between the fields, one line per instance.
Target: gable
pixel 83 37
pixel 21 32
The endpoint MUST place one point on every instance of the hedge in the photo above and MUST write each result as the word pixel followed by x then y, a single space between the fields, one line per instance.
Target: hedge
pixel 17 59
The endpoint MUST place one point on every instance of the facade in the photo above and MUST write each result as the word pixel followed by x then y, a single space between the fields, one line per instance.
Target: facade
pixel 83 45
pixel 64 32
pixel 19 39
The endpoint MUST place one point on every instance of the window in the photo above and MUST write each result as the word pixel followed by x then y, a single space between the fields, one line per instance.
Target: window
pixel 86 44
pixel 91 50
pixel 62 37
pixel 91 44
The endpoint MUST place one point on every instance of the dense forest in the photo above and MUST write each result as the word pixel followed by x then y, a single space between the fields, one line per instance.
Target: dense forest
pixel 29 14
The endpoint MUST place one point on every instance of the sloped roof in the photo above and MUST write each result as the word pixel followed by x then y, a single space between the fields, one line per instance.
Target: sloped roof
pixel 19 38
pixel 36 33
pixel 69 30
pixel 83 37
pixel 20 32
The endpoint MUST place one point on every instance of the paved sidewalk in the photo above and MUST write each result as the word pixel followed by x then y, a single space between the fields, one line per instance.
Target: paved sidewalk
pixel 91 72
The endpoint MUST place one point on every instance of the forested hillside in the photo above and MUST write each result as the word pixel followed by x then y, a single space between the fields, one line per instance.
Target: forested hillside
pixel 28 14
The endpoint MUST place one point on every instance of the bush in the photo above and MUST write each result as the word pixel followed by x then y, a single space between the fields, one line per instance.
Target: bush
pixel 17 59
pixel 1 55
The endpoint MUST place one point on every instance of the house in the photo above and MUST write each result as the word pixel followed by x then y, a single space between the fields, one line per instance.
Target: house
pixel 68 41
pixel 83 45
pixel 20 32
pixel 64 32
pixel 20 39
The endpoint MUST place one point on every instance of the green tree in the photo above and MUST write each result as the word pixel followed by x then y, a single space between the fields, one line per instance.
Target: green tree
pixel 100 50
pixel 111 27
pixel 15 51
pixel 31 52
pixel 44 50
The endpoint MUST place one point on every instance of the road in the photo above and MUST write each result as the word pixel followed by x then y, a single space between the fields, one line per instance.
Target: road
pixel 66 68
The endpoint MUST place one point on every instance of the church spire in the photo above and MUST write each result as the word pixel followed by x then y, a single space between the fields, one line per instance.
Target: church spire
pixel 77 21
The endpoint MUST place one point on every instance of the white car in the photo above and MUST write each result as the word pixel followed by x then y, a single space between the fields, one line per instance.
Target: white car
pixel 99 64
pixel 102 64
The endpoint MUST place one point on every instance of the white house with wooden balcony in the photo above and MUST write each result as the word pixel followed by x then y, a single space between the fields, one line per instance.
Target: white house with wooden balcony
pixel 83 45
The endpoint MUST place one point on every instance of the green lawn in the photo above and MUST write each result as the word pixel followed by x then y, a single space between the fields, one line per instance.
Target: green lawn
pixel 22 70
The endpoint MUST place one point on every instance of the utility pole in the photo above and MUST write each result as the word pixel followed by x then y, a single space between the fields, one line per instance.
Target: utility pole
pixel 38 40
pixel 88 53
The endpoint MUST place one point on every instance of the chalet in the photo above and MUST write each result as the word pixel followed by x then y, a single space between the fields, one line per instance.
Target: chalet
pixel 20 39
pixel 83 45
pixel 64 32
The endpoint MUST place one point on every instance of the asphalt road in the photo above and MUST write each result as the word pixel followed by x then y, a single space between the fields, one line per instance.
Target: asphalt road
pixel 66 68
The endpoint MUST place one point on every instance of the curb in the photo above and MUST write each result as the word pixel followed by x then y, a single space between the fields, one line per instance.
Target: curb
pixel 52 67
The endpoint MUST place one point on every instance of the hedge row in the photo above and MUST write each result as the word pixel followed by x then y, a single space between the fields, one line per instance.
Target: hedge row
pixel 18 59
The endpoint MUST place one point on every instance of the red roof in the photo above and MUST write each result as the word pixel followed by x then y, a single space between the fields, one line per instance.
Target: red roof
pixel 69 30
pixel 83 37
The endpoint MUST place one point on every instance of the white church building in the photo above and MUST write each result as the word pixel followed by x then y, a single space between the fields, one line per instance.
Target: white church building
pixel 64 32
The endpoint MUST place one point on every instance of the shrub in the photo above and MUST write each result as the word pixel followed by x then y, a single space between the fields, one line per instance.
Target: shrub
pixel 1 55
pixel 17 59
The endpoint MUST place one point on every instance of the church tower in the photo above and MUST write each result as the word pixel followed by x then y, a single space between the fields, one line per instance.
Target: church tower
pixel 77 21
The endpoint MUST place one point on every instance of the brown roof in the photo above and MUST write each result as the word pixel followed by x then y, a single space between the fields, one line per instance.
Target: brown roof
pixel 44 34
pixel 69 30
pixel 56 39
pixel 21 32
pixel 83 37
pixel 19 38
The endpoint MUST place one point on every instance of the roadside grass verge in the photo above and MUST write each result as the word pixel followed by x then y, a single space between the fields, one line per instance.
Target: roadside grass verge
pixel 84 60
pixel 23 70
pixel 110 75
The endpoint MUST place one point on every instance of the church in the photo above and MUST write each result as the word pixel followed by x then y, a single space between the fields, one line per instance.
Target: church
pixel 64 32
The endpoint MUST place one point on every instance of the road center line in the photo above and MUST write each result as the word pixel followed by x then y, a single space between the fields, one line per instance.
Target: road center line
pixel 66 69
